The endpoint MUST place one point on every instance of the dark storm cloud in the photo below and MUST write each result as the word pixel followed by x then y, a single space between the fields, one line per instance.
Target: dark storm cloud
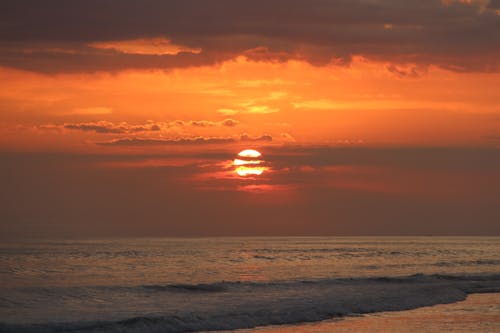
pixel 458 35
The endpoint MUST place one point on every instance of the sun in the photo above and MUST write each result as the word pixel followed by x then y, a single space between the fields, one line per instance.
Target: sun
pixel 249 153
pixel 248 163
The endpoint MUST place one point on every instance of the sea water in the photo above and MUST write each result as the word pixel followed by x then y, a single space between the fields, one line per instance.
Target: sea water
pixel 179 285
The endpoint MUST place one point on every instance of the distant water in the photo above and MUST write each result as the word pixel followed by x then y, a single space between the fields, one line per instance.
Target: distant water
pixel 179 285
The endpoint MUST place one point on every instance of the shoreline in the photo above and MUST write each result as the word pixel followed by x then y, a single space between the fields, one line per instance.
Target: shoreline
pixel 478 312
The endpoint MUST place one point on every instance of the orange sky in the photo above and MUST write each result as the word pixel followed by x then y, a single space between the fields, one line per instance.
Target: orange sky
pixel 364 103
pixel 363 72
pixel 369 103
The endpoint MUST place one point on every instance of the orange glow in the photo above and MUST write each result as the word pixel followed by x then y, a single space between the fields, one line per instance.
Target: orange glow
pixel 363 104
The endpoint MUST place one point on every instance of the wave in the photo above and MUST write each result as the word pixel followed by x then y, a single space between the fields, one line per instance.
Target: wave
pixel 235 305
pixel 479 262
pixel 202 287
pixel 229 285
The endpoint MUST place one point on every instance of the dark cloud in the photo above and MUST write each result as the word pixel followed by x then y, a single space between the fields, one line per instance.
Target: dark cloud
pixel 265 137
pixel 201 123
pixel 458 35
pixel 106 127
pixel 406 72
pixel 97 60
pixel 184 141
pixel 165 142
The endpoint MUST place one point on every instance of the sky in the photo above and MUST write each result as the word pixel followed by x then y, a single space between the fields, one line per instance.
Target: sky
pixel 373 117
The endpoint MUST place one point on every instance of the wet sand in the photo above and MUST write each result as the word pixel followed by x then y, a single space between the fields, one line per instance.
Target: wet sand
pixel 478 313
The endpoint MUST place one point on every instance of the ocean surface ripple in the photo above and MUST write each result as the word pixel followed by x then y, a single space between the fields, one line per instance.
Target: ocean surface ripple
pixel 167 285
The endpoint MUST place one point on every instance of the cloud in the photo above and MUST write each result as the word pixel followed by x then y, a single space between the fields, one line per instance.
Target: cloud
pixel 407 71
pixel 106 127
pixel 166 142
pixel 230 122
pixel 206 123
pixel 156 46
pixel 185 140
pixel 265 137
pixel 51 36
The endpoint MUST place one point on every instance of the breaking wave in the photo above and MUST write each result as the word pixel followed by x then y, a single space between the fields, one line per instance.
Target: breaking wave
pixel 234 305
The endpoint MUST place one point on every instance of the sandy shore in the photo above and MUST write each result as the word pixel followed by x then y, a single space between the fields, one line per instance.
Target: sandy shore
pixel 478 313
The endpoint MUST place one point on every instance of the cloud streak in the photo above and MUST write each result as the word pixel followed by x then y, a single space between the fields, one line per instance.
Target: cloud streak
pixel 265 137
pixel 200 140
pixel 166 142
pixel 106 127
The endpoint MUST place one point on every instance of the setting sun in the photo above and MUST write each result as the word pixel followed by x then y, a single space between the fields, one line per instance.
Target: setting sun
pixel 248 163
pixel 249 153
pixel 185 165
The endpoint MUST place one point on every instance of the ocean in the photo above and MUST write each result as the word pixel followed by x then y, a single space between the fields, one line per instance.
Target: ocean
pixel 200 284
